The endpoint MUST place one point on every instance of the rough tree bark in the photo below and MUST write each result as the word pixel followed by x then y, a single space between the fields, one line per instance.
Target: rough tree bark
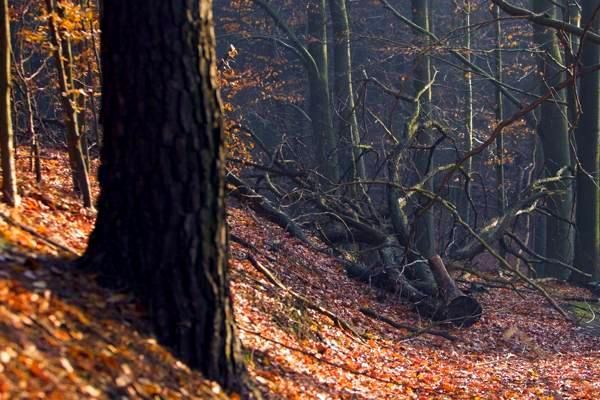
pixel 587 239
pixel 7 151
pixel 161 227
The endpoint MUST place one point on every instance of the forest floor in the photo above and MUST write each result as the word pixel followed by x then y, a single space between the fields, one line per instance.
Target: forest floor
pixel 63 337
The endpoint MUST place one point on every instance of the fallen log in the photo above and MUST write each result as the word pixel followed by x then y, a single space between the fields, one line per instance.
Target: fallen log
pixel 461 310
pixel 417 331
pixel 391 281
pixel 457 308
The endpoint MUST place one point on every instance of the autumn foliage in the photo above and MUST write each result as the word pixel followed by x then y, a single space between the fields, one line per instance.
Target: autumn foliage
pixel 307 330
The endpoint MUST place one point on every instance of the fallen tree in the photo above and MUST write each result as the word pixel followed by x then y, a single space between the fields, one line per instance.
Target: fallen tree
pixel 402 269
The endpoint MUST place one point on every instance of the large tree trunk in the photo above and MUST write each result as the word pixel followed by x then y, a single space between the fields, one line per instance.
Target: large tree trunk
pixel 7 151
pixel 160 226
pixel 587 243
pixel 554 135
pixel 343 91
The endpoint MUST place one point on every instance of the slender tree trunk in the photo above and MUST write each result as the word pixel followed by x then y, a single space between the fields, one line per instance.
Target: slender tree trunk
pixel 79 169
pixel 343 90
pixel 422 76
pixel 554 134
pixel 539 221
pixel 89 81
pixel 587 243
pixel 320 98
pixel 501 190
pixel 500 184
pixel 36 160
pixel 468 111
pixel 161 225
pixel 572 16
pixel 7 150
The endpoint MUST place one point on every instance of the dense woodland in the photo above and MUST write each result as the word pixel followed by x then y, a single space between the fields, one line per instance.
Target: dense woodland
pixel 300 199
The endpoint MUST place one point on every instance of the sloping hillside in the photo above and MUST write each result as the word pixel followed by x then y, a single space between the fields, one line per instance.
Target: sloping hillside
pixel 63 337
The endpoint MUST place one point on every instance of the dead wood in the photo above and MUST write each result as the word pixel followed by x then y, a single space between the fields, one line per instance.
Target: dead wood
pixel 265 207
pixel 417 331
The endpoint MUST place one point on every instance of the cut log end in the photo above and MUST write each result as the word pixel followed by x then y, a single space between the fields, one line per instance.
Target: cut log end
pixel 463 311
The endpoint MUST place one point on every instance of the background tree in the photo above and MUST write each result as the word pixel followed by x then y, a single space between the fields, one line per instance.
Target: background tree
pixel 343 93
pixel 7 151
pixel 63 56
pixel 325 138
pixel 554 134
pixel 587 237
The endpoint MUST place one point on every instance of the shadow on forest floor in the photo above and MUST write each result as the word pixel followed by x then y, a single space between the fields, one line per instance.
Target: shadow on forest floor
pixel 64 337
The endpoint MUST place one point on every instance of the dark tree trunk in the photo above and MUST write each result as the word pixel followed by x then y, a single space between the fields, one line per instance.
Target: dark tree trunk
pixel 554 134
pixel 587 244
pixel 160 227
pixel 424 227
pixel 320 97
pixel 501 190
pixel 349 134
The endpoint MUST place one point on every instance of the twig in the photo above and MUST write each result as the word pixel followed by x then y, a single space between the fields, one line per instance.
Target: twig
pixel 540 257
pixel 271 278
pixel 582 299
pixel 235 238
pixel 32 231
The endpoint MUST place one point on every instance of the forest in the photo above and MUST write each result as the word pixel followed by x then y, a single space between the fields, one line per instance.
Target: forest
pixel 300 199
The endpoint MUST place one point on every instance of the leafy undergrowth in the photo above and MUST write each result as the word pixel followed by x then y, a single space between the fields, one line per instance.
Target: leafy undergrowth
pixel 63 337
